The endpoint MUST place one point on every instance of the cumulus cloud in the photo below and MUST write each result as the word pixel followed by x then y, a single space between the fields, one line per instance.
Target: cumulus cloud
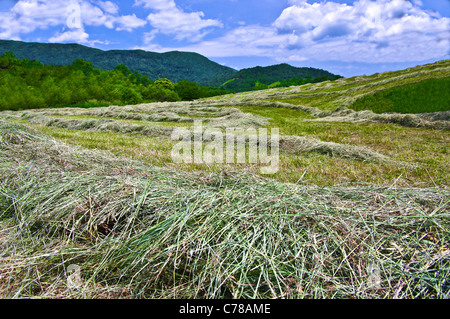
pixel 376 31
pixel 387 31
pixel 108 6
pixel 78 36
pixel 129 23
pixel 156 4
pixel 27 16
pixel 168 19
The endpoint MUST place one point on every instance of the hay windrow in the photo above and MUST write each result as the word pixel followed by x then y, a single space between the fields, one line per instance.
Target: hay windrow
pixel 290 144
pixel 139 231
pixel 436 120
pixel 160 112
pixel 298 144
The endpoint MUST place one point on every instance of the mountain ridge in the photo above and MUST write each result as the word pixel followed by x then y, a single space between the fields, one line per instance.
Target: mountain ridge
pixel 245 79
pixel 173 65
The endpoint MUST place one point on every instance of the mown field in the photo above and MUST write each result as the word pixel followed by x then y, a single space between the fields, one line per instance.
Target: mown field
pixel 359 207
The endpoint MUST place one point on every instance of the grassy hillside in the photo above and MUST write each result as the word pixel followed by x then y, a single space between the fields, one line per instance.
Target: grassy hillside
pixel 359 207
pixel 175 66
pixel 432 95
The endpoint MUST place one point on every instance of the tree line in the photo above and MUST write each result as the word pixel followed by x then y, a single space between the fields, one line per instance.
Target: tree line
pixel 26 84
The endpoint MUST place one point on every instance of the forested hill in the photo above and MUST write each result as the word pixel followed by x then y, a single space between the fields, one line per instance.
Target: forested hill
pixel 174 66
pixel 276 75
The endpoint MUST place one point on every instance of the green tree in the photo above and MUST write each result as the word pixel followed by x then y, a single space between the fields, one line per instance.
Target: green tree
pixel 85 66
pixel 7 60
pixel 260 86
pixel 158 93
pixel 188 91
pixel 130 95
pixel 165 84
pixel 121 68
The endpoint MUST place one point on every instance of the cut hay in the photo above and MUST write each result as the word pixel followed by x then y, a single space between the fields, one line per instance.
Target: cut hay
pixel 437 120
pixel 138 231
pixel 290 144
pixel 298 144
pixel 359 85
pixel 154 112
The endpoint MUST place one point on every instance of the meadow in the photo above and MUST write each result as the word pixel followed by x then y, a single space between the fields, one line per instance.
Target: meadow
pixel 359 207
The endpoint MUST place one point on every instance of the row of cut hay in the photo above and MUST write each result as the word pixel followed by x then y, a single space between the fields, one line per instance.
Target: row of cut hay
pixel 159 112
pixel 300 144
pixel 316 112
pixel 100 125
pixel 155 114
pixel 290 144
pixel 143 232
pixel 435 120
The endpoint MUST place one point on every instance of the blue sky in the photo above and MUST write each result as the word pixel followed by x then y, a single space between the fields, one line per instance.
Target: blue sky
pixel 342 36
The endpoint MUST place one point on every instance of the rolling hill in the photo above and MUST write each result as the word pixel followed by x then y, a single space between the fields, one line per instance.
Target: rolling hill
pixel 245 79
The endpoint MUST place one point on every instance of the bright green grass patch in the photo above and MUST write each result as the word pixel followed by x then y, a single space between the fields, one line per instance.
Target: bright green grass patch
pixel 282 117
pixel 409 94
pixel 432 95
pixel 153 150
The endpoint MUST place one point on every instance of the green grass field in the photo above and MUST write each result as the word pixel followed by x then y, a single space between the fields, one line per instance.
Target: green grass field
pixel 359 207
pixel 431 95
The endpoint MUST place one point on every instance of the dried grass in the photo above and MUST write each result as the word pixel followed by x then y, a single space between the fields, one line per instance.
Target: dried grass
pixel 299 144
pixel 139 231
pixel 436 120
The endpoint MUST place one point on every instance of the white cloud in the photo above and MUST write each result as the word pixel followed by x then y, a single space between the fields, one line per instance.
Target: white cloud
pixel 108 6
pixel 129 22
pixel 156 4
pixel 78 36
pixel 27 16
pixel 13 29
pixel 382 30
pixel 168 19
pixel 367 31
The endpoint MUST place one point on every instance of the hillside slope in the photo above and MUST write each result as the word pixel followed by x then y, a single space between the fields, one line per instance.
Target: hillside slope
pixel 399 90
pixel 174 65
